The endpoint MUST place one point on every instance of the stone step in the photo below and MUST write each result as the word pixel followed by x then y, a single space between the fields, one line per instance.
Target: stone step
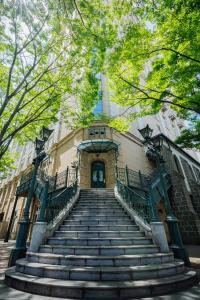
pixel 92 222
pixel 77 214
pixel 97 202
pixel 96 192
pixel 100 261
pixel 98 234
pixel 98 273
pixel 99 227
pixel 99 211
pixel 94 209
pixel 94 212
pixel 98 241
pixel 99 250
pixel 98 206
pixel 98 217
pixel 114 290
pixel 98 197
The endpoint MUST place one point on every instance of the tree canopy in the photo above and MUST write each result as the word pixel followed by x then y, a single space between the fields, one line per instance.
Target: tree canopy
pixel 51 53
pixel 156 61
pixel 46 57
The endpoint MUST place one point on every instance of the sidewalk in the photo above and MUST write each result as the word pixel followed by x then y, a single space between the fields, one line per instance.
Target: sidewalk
pixel 7 293
pixel 5 249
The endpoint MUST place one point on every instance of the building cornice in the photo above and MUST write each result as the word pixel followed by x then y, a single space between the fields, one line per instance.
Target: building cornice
pixel 59 144
pixel 164 137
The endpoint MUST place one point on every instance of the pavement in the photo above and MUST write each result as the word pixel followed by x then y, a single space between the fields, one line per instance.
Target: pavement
pixel 7 293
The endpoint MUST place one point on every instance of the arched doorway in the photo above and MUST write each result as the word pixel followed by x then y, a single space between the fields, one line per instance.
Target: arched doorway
pixel 98 175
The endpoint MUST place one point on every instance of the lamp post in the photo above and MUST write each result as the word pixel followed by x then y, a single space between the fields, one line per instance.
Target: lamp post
pixel 20 247
pixel 154 148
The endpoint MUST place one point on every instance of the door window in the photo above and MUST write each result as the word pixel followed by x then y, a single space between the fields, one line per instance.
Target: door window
pixel 98 174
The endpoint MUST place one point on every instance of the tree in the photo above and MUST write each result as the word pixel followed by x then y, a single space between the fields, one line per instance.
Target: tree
pixel 156 60
pixel 32 65
pixel 45 56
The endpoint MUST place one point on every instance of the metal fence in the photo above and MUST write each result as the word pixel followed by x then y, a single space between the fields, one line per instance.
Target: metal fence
pixel 56 204
pixel 63 179
pixel 59 181
pixel 135 202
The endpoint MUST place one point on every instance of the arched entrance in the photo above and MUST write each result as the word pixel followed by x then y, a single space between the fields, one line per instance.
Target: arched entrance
pixel 98 175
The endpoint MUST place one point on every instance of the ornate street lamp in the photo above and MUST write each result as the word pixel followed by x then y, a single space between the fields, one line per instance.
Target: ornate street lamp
pixel 39 145
pixel 45 133
pixel 146 132
pixel 158 143
pixel 154 152
pixel 20 248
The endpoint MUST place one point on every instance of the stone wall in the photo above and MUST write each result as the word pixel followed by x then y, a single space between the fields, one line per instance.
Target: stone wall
pixel 195 197
pixel 182 201
pixel 188 219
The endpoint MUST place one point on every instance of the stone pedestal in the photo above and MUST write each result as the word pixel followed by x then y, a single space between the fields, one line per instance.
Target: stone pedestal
pixel 38 236
pixel 159 236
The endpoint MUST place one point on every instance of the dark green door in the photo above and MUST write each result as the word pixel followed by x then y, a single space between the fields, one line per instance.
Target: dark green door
pixel 98 175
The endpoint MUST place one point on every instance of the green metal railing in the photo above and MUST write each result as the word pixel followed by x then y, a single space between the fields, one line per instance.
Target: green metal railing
pixel 53 192
pixel 57 182
pixel 56 204
pixel 39 189
pixel 142 192
pixel 135 201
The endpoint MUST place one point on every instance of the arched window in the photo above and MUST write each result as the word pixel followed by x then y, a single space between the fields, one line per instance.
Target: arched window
pixel 177 164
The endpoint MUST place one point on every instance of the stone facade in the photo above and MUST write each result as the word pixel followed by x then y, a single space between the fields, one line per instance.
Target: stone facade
pixel 185 202
pixel 64 148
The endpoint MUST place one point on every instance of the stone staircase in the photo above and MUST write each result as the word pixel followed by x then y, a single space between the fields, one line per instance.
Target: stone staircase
pixel 99 253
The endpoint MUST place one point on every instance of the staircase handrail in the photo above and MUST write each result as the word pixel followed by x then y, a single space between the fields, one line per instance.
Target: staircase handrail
pixel 39 186
pixel 25 180
pixel 138 180
pixel 56 204
pixel 136 202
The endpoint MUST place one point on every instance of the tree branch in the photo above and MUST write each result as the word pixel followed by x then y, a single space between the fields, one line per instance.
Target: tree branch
pixel 157 99
pixel 172 50
pixel 80 15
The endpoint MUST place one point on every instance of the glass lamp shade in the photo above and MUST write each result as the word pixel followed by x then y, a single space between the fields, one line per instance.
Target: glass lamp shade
pixel 74 164
pixel 158 143
pixel 45 133
pixel 146 132
pixel 39 145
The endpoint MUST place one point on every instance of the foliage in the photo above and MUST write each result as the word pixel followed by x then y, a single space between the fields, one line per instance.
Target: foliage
pixel 155 59
pixel 51 53
pixel 95 35
pixel 47 63
pixel 190 138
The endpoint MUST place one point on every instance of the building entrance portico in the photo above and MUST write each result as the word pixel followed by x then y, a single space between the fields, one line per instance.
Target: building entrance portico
pixel 97 162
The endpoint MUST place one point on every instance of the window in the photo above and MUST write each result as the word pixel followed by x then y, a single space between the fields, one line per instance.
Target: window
pixel 97 132
pixel 177 164
pixel 98 109
pixel 197 173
